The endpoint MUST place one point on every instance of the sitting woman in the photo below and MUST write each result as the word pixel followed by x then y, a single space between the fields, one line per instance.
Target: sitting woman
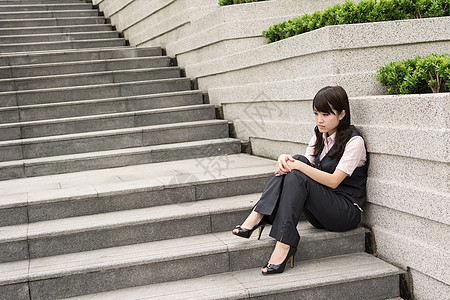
pixel 328 184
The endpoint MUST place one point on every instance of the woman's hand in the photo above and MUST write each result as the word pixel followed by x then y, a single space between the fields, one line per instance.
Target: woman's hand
pixel 283 164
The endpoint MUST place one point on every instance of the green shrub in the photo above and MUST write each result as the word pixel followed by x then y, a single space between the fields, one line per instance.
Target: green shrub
pixel 365 11
pixel 229 2
pixel 418 75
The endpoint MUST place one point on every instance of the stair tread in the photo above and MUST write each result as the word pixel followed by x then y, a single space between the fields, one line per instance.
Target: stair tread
pixel 151 252
pixel 154 176
pixel 250 283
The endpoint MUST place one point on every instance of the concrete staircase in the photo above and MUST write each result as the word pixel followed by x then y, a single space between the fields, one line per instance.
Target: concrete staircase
pixel 117 181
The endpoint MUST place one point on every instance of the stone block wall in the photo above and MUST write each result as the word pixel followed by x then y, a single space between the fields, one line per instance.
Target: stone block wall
pixel 266 91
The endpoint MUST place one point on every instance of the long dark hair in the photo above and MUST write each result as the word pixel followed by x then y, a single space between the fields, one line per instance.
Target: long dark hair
pixel 327 99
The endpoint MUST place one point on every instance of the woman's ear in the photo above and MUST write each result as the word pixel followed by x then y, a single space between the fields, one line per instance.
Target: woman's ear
pixel 341 115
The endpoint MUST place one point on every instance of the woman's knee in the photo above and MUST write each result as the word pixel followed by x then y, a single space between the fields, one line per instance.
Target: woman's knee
pixel 295 176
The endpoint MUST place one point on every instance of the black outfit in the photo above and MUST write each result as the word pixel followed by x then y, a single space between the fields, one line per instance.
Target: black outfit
pixel 286 196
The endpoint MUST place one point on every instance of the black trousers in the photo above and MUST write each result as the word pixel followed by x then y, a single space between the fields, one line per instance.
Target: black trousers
pixel 286 196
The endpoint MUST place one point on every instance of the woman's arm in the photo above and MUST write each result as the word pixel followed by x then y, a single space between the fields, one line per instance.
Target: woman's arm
pixel 286 164
pixel 322 177
pixel 354 156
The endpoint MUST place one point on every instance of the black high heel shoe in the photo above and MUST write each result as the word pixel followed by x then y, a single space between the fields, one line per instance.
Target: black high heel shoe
pixel 275 269
pixel 246 233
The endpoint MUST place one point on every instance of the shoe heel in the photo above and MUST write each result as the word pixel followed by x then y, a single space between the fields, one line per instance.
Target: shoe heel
pixel 261 228
pixel 292 261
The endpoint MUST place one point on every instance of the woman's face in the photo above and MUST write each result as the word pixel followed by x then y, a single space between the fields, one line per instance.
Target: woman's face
pixel 327 122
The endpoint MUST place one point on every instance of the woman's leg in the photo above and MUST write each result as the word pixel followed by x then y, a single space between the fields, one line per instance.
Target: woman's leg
pixel 286 197
pixel 325 209
pixel 286 214
pixel 266 204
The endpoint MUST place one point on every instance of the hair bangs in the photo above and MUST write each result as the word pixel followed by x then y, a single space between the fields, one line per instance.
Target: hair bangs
pixel 321 103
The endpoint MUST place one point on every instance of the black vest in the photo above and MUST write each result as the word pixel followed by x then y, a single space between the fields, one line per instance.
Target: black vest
pixel 352 187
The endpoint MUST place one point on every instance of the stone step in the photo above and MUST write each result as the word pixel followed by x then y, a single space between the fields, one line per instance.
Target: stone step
pixel 18 23
pixel 115 229
pixel 350 277
pixel 83 67
pixel 52 197
pixel 20 31
pixel 48 14
pixel 63 45
pixel 56 37
pixel 101 106
pixel 67 56
pixel 117 158
pixel 62 126
pixel 78 234
pixel 90 92
pixel 54 29
pixel 169 260
pixel 86 79
pixel 43 7
pixel 113 139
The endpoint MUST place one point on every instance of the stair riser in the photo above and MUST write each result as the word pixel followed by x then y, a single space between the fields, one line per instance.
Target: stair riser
pixel 99 124
pixel 57 37
pixel 87 79
pixel 9 115
pixel 51 22
pixel 119 236
pixel 42 58
pixel 13 216
pixel 49 30
pixel 14 251
pixel 307 250
pixel 18 291
pixel 96 108
pixel 62 45
pixel 100 66
pixel 36 7
pixel 131 276
pixel 94 92
pixel 31 170
pixel 373 288
pixel 54 14
pixel 113 142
